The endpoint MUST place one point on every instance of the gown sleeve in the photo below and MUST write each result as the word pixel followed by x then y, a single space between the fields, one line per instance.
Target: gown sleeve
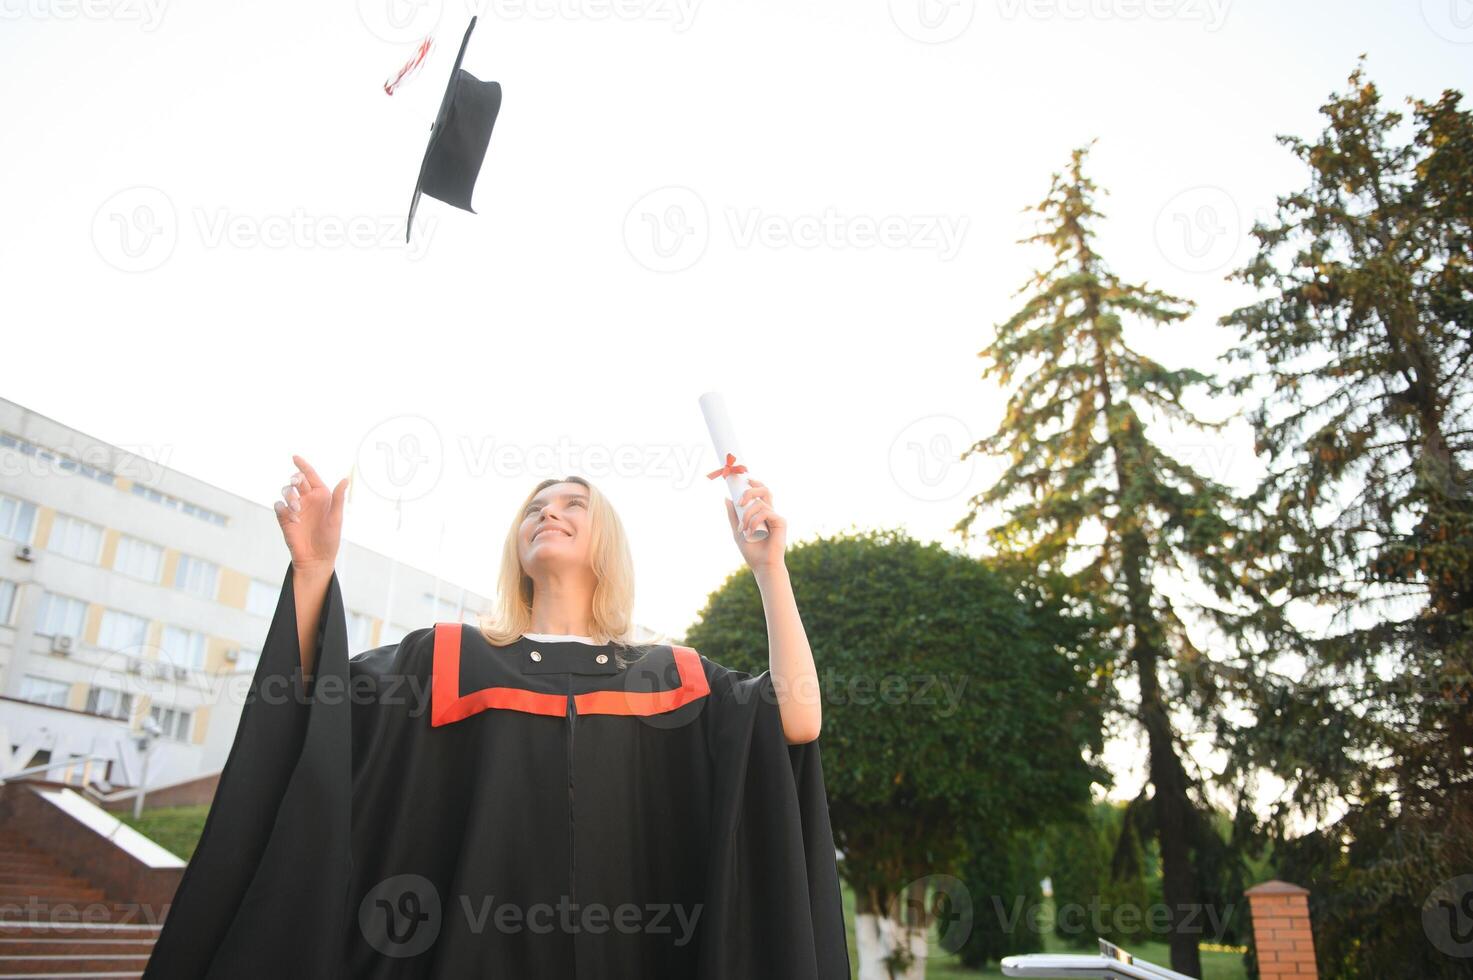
pixel 264 893
pixel 773 905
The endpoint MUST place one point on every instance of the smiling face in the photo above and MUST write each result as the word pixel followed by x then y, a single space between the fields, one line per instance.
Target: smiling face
pixel 555 528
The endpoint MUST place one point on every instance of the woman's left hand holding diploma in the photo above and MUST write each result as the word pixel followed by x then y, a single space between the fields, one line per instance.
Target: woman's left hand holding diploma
pixel 768 553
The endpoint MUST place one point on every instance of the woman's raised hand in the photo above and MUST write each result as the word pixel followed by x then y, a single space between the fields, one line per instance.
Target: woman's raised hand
pixel 768 553
pixel 311 518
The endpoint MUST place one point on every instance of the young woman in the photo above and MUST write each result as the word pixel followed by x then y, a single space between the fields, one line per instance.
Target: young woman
pixel 538 796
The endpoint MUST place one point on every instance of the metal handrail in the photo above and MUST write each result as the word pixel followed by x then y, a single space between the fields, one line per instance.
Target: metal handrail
pixel 54 764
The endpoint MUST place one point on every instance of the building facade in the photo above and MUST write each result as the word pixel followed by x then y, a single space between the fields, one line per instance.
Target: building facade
pixel 129 590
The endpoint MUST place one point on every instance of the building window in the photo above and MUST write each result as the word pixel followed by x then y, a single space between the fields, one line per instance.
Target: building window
pixel 360 631
pixel 113 704
pixel 8 591
pixel 450 611
pixel 246 660
pixel 122 632
pixel 44 690
pixel 65 463
pixel 174 503
pixel 261 598
pixel 183 647
pixel 17 519
pixel 75 538
pixel 196 576
pixel 175 722
pixel 393 632
pixel 60 615
pixel 140 559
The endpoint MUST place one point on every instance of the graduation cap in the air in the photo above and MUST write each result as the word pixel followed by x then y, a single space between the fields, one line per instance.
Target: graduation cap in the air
pixel 458 138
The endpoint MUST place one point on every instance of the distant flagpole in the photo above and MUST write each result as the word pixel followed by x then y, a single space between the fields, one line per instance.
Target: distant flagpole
pixel 393 564
pixel 439 554
pixel 347 500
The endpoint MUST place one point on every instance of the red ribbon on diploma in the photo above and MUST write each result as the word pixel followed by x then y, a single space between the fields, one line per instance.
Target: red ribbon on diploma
pixel 728 469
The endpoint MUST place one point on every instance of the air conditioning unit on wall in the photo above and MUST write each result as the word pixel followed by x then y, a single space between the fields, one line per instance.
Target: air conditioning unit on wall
pixel 61 645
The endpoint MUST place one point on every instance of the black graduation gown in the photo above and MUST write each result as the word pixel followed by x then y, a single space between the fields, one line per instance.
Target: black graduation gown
pixel 441 807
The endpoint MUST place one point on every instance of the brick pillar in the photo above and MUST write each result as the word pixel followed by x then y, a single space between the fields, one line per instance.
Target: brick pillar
pixel 1282 941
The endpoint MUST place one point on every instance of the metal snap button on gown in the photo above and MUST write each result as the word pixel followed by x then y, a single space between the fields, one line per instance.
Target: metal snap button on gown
pixel 602 658
pixel 536 656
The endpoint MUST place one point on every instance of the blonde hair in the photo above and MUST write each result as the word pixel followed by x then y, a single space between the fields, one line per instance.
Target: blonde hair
pixel 612 614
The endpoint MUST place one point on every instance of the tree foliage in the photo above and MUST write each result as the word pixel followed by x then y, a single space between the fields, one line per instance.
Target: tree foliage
pixel 957 700
pixel 1360 349
pixel 1094 497
pixel 1003 874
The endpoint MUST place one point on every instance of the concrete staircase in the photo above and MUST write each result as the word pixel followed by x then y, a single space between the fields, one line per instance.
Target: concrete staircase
pixel 54 923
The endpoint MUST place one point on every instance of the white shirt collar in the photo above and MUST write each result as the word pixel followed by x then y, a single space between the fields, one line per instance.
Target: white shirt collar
pixel 560 638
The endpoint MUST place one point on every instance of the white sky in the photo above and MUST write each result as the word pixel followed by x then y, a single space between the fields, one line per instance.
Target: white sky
pixel 177 178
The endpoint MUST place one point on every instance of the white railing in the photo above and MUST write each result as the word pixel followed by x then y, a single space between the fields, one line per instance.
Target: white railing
pixel 95 788
pixel 1111 962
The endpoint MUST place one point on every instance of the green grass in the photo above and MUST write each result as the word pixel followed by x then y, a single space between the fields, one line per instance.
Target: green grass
pixel 946 966
pixel 178 829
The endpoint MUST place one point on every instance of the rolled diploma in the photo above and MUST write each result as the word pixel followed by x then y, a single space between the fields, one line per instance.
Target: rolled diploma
pixel 723 437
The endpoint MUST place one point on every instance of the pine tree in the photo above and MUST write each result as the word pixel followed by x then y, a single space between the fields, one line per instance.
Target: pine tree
pixel 1096 487
pixel 1363 339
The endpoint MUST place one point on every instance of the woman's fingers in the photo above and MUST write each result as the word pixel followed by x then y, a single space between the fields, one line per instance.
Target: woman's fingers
pixel 755 492
pixel 313 480
pixel 338 493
